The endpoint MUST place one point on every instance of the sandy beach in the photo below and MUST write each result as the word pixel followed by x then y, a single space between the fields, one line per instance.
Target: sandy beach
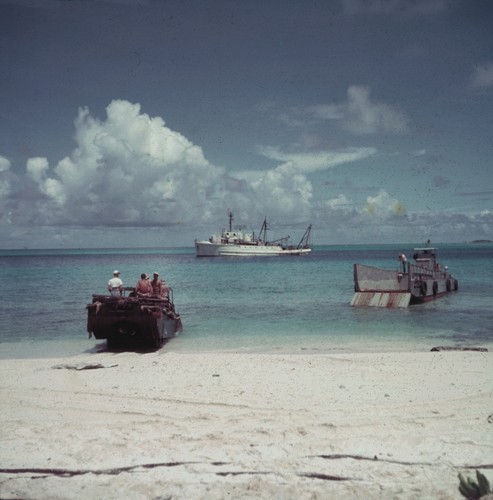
pixel 234 425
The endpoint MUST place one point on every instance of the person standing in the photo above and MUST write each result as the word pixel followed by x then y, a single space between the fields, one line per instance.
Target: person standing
pixel 159 288
pixel 115 285
pixel 403 260
pixel 143 286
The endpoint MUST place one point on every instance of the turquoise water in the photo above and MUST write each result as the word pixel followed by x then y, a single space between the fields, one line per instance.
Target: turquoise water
pixel 268 304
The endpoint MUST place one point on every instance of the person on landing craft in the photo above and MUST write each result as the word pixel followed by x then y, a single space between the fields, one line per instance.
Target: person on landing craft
pixel 143 286
pixel 115 284
pixel 159 288
pixel 403 260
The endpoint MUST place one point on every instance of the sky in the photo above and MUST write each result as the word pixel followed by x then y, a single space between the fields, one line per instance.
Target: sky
pixel 142 123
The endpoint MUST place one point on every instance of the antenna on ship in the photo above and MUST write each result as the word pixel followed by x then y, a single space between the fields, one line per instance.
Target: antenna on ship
pixel 230 220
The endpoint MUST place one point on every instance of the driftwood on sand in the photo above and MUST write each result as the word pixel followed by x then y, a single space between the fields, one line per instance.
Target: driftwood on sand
pixel 458 348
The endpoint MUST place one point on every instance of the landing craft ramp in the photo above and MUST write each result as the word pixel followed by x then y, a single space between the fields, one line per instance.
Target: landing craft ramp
pixel 381 299
pixel 380 288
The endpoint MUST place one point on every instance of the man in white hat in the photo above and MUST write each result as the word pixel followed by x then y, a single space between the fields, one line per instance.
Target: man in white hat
pixel 115 284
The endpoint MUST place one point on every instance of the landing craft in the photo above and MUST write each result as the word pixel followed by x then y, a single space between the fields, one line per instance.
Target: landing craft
pixel 413 283
pixel 135 320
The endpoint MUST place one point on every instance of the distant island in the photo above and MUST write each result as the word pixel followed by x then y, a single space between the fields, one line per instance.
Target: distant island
pixel 481 241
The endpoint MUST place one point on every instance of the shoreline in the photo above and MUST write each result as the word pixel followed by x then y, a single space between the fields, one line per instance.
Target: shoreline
pixel 72 348
pixel 245 425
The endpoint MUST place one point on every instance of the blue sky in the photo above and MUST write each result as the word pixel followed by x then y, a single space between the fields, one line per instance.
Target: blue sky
pixel 142 122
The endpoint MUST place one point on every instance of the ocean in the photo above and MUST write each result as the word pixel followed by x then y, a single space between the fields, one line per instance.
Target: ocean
pixel 261 304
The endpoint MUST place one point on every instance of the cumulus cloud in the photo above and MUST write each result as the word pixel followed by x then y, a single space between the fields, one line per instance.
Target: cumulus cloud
pixel 128 169
pixel 338 203
pixel 361 115
pixel 379 218
pixel 482 76
pixel 131 170
pixel 287 184
pixel 384 205
pixel 383 218
pixel 36 169
pixel 381 206
pixel 4 164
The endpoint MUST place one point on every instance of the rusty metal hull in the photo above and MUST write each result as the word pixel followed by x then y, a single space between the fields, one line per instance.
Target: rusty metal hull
pixel 135 321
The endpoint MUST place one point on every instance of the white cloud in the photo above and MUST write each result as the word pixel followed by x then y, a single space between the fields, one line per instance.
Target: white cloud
pixel 283 193
pixel 366 117
pixel 286 189
pixel 4 164
pixel 340 202
pixel 360 115
pixel 127 169
pixel 383 205
pixel 132 170
pixel 483 75
pixel 313 162
pixel 37 168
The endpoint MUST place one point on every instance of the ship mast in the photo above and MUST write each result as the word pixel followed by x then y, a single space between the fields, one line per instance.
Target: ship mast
pixel 263 231
pixel 230 221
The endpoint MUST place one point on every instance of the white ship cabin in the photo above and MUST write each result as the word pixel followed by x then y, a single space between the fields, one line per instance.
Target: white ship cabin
pixel 231 237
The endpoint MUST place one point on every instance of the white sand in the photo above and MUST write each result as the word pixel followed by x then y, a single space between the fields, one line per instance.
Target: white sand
pixel 190 426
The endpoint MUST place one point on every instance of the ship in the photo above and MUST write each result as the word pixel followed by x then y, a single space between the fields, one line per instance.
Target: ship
pixel 133 320
pixel 234 242
pixel 415 282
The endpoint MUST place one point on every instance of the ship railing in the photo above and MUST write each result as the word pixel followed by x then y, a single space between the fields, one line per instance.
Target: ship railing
pixel 133 297
pixel 426 272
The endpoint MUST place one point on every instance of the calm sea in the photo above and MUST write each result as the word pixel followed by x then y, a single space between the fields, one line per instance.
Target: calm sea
pixel 266 304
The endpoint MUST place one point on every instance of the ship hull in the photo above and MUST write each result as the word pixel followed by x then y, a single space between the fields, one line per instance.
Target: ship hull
pixel 208 249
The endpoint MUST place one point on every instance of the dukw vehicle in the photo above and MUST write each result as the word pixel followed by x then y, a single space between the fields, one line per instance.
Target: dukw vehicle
pixel 133 320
